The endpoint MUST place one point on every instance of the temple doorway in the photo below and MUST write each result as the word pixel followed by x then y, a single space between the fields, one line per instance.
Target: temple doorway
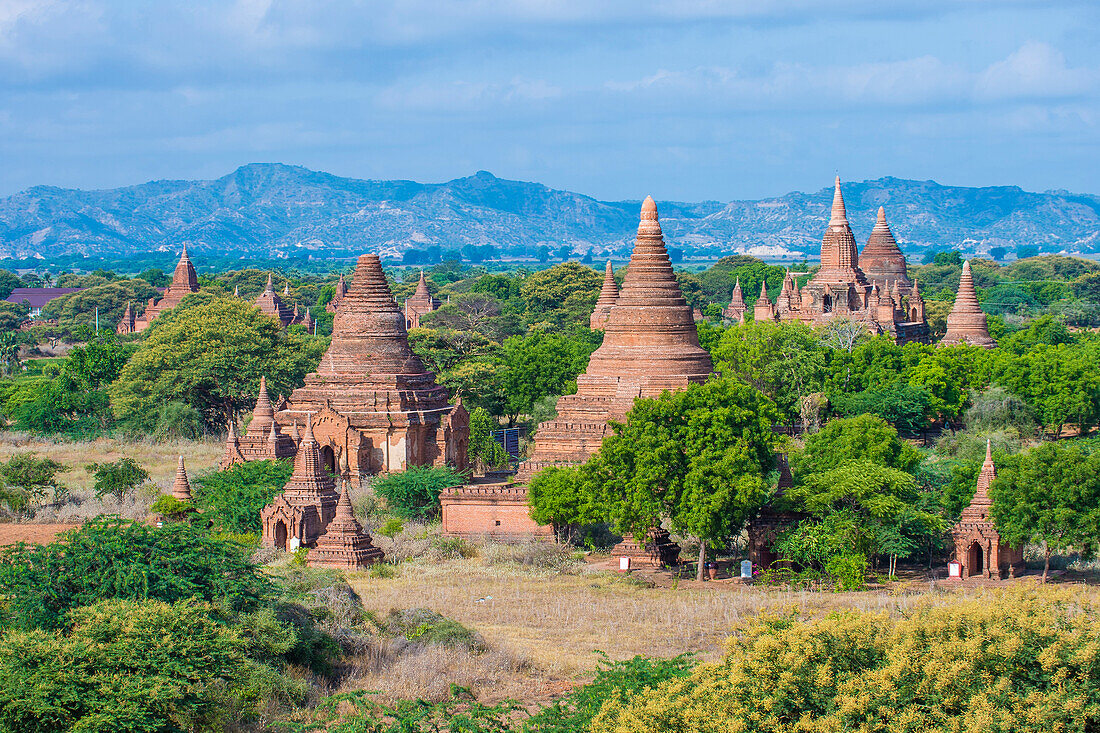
pixel 328 456
pixel 974 564
pixel 280 535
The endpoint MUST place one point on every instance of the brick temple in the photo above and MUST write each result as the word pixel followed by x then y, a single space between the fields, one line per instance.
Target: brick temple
pixel 372 403
pixel 300 514
pixel 650 345
pixel 184 282
pixel 967 323
pixel 978 546
pixel 881 297
pixel 419 303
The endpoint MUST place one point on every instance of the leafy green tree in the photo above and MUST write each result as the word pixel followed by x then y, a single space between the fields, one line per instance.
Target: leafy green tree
pixel 904 406
pixel 12 315
pixel 211 355
pixel 117 478
pixel 414 493
pixel 561 295
pixel 1061 382
pixel 484 451
pixel 996 408
pixel 124 665
pixel 26 480
pixel 542 364
pixel 8 282
pixel 562 497
pixel 110 298
pixel 233 498
pixel 111 558
pixel 1050 496
pixel 698 458
pixel 865 437
pixel 155 277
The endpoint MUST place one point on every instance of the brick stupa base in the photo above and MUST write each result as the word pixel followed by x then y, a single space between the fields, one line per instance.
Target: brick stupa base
pixel 344 545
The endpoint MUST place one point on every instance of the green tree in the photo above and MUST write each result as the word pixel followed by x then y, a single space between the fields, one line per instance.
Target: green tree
pixel 697 458
pixel 111 558
pixel 414 493
pixel 8 282
pixel 561 295
pixel 233 498
pixel 211 355
pixel 79 308
pixel 864 437
pixel 484 451
pixel 12 315
pixel 542 364
pixel 26 480
pixel 117 478
pixel 141 666
pixel 564 497
pixel 1049 495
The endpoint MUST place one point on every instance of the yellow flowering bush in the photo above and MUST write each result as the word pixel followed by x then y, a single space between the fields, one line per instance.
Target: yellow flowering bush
pixel 1014 661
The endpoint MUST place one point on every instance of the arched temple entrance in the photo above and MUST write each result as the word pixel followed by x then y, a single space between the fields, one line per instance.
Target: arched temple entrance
pixel 280 535
pixel 974 560
pixel 328 457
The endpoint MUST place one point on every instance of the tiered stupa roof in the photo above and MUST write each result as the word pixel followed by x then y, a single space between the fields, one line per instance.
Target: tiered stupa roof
pixel 181 488
pixel 839 257
pixel 881 258
pixel 609 295
pixel 263 414
pixel 270 303
pixel 344 545
pixel 967 323
pixel 310 483
pixel 650 345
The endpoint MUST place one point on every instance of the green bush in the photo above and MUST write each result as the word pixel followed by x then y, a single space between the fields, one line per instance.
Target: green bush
pixel 428 627
pixel 111 558
pixel 847 571
pixel 234 497
pixel 26 480
pixel 169 506
pixel 391 528
pixel 414 494
pixel 117 478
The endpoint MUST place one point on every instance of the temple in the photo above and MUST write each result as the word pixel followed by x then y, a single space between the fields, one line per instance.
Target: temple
pixel 341 291
pixel 184 282
pixel 841 289
pixel 650 345
pixel 264 440
pixel 978 546
pixel 372 402
pixel 269 303
pixel 609 295
pixel 967 323
pixel 735 311
pixel 307 504
pixel 344 545
pixel 419 303
pixel 181 487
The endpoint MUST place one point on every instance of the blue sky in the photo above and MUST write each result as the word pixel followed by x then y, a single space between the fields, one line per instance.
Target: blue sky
pixel 682 99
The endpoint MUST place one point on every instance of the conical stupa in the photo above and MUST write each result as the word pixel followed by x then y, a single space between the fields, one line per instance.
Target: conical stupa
pixel 839 257
pixel 344 545
pixel 181 487
pixel 271 304
pixel 650 345
pixel 371 396
pixel 735 311
pixel 609 295
pixel 419 303
pixel 308 501
pixel 967 323
pixel 882 259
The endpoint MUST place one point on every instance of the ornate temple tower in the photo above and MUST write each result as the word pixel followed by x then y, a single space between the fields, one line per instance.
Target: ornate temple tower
pixel 263 441
pixel 609 295
pixel 650 345
pixel 341 291
pixel 735 311
pixel 967 323
pixel 763 309
pixel 301 513
pixel 839 258
pixel 371 398
pixel 419 303
pixel 271 304
pixel 128 323
pixel 882 259
pixel 978 546
pixel 184 282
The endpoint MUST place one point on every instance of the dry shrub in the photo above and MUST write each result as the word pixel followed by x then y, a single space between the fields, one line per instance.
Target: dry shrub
pixel 550 556
pixel 427 672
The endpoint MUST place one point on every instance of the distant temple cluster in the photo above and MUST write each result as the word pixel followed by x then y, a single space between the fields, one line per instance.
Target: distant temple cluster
pixel 372 407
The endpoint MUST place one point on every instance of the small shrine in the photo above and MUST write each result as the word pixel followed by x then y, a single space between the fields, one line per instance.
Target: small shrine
pixel 299 515
pixel 184 282
pixel 419 303
pixel 181 487
pixel 264 440
pixel 344 545
pixel 979 550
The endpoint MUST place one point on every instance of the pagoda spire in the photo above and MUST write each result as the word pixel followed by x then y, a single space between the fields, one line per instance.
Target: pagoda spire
pixel 181 488
pixel 269 288
pixel 967 323
pixel 838 216
pixel 609 294
pixel 263 415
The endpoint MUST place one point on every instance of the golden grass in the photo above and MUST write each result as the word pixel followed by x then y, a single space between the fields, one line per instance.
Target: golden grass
pixel 159 459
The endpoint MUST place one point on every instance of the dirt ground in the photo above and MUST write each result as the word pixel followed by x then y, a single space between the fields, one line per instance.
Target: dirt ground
pixel 42 534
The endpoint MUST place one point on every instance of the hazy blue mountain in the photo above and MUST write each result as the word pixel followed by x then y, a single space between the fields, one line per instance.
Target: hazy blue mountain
pixel 272 209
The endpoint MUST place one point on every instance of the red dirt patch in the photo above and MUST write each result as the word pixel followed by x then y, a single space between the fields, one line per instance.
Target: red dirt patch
pixel 38 533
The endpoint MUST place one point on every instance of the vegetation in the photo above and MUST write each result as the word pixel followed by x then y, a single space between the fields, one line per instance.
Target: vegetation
pixel 232 499
pixel 414 493
pixel 26 480
pixel 117 478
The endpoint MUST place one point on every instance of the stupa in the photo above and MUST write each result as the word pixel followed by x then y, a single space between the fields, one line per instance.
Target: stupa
pixel 181 487
pixel 978 546
pixel 371 398
pixel 650 345
pixel 184 282
pixel 609 294
pixel 419 303
pixel 341 291
pixel 128 324
pixel 967 323
pixel 735 311
pixel 882 260
pixel 264 440
pixel 344 545
pixel 271 304
pixel 841 289
pixel 300 514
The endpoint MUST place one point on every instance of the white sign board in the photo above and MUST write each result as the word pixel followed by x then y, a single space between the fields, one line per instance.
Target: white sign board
pixel 746 569
pixel 954 570
pixel 294 544
pixel 624 564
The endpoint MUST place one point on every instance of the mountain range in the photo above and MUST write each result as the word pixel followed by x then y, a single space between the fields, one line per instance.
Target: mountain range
pixel 275 210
